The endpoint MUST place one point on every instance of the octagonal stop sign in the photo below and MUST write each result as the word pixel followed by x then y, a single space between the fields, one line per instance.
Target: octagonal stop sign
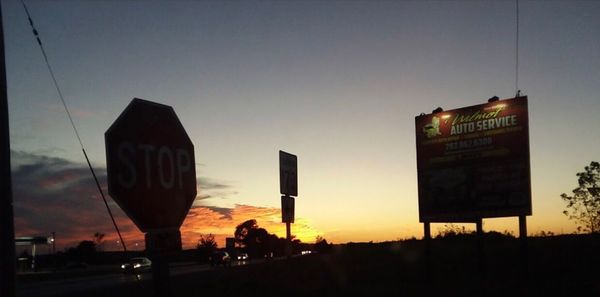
pixel 150 165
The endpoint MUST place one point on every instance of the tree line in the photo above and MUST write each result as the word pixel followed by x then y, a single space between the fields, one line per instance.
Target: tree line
pixel 257 242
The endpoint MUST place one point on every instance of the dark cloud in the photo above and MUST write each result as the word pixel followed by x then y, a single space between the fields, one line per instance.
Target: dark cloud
pixel 211 189
pixel 203 197
pixel 209 184
pixel 57 195
pixel 224 211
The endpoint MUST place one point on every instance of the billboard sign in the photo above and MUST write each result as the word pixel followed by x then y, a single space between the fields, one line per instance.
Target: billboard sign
pixel 473 162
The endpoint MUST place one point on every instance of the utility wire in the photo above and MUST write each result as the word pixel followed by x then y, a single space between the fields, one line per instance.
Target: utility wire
pixel 62 99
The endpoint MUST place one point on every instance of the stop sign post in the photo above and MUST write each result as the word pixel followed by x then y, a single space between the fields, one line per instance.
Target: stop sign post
pixel 152 176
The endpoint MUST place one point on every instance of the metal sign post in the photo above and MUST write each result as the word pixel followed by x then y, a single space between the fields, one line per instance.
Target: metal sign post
pixel 288 186
pixel 287 217
pixel 159 244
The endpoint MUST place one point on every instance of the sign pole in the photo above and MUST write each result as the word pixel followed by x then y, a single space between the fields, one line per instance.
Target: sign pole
pixel 523 244
pixel 288 232
pixel 158 244
pixel 7 227
pixel 427 237
pixel 480 251
pixel 287 217
pixel 161 277
pixel 288 187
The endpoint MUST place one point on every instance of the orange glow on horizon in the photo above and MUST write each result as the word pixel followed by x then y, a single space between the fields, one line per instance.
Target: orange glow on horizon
pixel 203 221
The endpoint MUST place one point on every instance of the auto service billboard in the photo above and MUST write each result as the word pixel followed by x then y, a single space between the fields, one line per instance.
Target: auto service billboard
pixel 473 162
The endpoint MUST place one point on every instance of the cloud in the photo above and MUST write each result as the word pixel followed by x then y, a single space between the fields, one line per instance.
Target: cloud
pixel 57 195
pixel 225 212
pixel 210 189
pixel 221 222
pixel 209 184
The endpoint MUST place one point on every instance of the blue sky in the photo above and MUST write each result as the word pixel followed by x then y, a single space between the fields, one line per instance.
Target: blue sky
pixel 336 82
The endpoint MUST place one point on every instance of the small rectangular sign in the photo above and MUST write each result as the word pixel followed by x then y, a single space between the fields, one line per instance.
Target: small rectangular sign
pixel 168 240
pixel 287 209
pixel 230 243
pixel 473 162
pixel 288 174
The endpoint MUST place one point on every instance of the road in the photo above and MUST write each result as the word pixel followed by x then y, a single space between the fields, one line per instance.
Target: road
pixel 81 285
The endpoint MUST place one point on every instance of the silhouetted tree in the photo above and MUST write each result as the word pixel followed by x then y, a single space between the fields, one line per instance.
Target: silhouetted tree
pixel 584 205
pixel 242 230
pixel 451 230
pixel 206 246
pixel 543 233
pixel 257 241
pixel 207 242
pixel 86 247
pixel 98 240
pixel 85 251
pixel 322 246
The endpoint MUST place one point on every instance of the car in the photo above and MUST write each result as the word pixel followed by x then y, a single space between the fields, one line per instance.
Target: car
pixel 220 258
pixel 242 257
pixel 136 265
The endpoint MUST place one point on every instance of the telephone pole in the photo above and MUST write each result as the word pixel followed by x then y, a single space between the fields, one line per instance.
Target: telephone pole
pixel 7 227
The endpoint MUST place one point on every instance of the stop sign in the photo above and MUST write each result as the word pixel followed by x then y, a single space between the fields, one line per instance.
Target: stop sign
pixel 150 165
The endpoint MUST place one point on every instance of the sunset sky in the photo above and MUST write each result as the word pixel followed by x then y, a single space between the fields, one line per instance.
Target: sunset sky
pixel 338 83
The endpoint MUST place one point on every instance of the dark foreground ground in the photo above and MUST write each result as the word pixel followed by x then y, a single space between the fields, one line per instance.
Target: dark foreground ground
pixel 558 266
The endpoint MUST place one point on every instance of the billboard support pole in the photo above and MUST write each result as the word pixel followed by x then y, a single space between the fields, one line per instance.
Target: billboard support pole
pixel 523 244
pixel 427 237
pixel 480 251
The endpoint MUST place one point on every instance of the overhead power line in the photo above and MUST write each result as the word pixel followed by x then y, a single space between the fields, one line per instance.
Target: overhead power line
pixel 62 100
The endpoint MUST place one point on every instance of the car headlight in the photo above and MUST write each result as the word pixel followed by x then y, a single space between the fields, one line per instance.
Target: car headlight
pixel 137 265
pixel 123 266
